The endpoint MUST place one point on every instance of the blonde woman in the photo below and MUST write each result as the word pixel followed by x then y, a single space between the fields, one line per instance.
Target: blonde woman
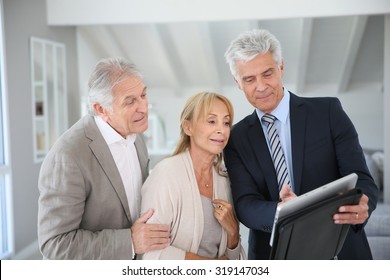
pixel 190 192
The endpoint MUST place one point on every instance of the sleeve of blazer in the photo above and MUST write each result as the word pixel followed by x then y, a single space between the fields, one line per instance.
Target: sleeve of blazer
pixel 80 213
pixel 330 147
pixel 349 153
pixel 61 211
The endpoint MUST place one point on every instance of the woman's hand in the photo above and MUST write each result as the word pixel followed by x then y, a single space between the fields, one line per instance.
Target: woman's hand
pixel 224 213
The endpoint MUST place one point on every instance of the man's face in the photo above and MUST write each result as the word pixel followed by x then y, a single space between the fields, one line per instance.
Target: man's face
pixel 129 108
pixel 261 81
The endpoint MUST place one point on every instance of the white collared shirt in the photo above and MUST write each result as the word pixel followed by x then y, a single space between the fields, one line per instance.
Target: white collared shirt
pixel 282 113
pixel 126 159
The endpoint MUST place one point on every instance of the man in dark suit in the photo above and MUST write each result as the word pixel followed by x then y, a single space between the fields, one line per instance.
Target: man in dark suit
pixel 318 143
pixel 90 181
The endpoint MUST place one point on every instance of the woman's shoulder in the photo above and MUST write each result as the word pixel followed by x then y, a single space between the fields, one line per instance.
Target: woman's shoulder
pixel 166 176
pixel 168 163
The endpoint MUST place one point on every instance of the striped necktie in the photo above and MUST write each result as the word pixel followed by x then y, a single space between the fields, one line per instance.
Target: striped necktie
pixel 276 151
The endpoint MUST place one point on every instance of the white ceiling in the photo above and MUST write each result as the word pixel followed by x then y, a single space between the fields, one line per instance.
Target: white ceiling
pixel 321 53
pixel 331 52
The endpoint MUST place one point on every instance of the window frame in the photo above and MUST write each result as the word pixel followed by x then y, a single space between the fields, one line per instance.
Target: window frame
pixel 6 202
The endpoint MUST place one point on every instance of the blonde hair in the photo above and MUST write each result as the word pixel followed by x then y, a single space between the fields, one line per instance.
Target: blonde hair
pixel 198 107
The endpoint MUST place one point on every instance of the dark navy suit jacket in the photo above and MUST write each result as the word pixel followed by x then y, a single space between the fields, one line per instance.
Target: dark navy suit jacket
pixel 325 147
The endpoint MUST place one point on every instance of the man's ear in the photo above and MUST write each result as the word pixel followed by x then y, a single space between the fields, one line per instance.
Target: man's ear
pixel 282 67
pixel 101 111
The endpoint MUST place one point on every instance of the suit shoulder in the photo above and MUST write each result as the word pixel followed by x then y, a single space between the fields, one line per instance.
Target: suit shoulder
pixel 243 124
pixel 319 100
pixel 318 104
pixel 73 143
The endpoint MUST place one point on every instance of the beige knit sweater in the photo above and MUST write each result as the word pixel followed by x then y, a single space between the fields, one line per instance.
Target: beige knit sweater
pixel 172 191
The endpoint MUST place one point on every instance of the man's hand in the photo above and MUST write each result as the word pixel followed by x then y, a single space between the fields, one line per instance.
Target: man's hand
pixel 148 237
pixel 286 194
pixel 353 214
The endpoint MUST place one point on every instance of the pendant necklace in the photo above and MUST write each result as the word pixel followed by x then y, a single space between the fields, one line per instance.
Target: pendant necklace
pixel 202 179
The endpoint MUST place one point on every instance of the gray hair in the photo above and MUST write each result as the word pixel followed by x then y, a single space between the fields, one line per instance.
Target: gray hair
pixel 251 43
pixel 107 74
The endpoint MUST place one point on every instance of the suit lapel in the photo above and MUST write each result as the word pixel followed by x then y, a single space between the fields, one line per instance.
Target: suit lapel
pixel 298 127
pixel 258 142
pixel 103 155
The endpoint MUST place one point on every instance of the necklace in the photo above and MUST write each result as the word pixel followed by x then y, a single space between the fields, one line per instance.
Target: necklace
pixel 205 183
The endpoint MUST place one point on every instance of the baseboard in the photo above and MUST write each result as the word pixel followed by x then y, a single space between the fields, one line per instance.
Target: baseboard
pixel 30 252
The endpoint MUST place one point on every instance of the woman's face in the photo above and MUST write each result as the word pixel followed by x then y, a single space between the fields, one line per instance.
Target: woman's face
pixel 209 135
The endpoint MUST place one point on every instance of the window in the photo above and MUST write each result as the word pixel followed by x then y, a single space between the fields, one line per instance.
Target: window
pixel 48 93
pixel 6 241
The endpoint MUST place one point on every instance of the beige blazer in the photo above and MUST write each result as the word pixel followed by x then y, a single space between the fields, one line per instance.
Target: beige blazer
pixel 172 191
pixel 83 211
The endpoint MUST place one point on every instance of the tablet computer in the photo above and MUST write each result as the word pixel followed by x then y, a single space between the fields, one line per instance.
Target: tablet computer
pixel 334 188
pixel 310 233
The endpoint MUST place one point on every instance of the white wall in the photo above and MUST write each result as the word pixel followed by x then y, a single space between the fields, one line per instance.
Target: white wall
pixel 365 108
pixel 22 19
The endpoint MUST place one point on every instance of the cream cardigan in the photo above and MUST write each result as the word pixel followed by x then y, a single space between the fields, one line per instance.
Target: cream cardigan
pixel 172 191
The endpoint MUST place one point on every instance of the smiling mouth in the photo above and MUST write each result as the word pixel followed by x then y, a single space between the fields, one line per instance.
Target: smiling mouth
pixel 218 141
pixel 140 119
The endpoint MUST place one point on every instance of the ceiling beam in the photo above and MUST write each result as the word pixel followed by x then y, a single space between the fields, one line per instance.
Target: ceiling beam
pixel 351 52
pixel 164 40
pixel 73 12
pixel 208 48
pixel 146 46
pixel 306 33
pixel 88 35
pixel 221 34
pixel 103 41
pixel 112 42
pixel 192 52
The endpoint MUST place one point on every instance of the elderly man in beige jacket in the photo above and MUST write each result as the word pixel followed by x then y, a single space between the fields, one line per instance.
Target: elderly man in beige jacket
pixel 90 180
